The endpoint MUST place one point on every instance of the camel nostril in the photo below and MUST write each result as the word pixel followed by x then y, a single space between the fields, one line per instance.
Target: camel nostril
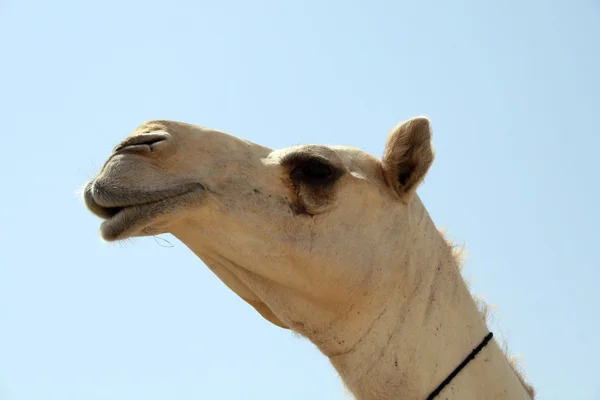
pixel 144 142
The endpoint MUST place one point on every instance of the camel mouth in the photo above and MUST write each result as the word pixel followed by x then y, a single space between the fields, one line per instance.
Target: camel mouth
pixel 127 213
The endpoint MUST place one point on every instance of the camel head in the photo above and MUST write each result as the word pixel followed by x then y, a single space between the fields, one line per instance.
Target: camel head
pixel 328 241
pixel 305 234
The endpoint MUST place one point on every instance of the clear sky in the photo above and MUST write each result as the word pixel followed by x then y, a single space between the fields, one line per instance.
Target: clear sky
pixel 513 92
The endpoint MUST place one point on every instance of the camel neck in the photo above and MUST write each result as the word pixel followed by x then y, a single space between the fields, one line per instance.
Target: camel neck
pixel 411 349
pixel 427 326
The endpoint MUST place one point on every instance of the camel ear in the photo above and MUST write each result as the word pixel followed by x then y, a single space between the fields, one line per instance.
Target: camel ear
pixel 408 155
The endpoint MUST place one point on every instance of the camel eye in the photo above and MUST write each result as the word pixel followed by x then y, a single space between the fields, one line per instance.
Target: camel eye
pixel 316 170
pixel 312 170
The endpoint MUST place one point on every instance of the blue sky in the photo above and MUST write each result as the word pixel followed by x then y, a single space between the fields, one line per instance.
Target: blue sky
pixel 513 92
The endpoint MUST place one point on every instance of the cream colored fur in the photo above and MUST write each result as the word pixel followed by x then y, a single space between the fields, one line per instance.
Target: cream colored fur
pixel 328 241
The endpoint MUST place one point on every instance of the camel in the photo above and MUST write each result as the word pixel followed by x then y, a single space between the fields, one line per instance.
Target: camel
pixel 327 241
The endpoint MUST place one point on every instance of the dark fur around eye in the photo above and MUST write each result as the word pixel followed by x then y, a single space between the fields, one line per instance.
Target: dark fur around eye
pixel 310 169
pixel 314 171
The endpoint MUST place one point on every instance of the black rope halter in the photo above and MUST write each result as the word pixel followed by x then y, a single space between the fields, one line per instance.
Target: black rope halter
pixel 463 364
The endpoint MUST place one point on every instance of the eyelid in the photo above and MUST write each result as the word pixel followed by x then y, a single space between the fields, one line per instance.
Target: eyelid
pixel 314 161
pixel 295 159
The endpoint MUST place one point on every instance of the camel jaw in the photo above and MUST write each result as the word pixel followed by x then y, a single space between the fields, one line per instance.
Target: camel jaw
pixel 128 213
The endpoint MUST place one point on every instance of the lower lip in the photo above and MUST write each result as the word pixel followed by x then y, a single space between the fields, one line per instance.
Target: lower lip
pixel 122 221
